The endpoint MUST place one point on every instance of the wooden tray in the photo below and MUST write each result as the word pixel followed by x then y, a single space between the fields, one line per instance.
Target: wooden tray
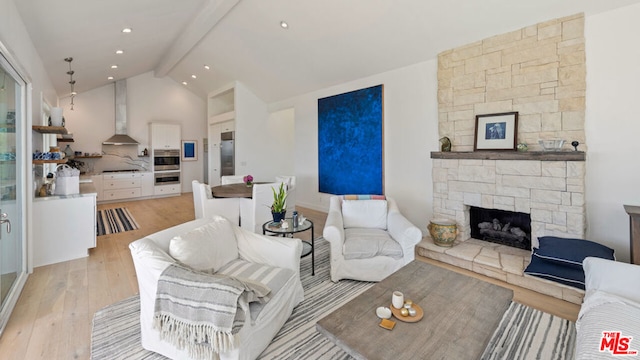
pixel 410 319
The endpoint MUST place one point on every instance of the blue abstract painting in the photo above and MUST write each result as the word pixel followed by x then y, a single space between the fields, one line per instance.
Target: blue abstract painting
pixel 350 142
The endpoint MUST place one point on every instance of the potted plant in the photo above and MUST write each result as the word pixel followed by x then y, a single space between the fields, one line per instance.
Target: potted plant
pixel 279 206
pixel 248 180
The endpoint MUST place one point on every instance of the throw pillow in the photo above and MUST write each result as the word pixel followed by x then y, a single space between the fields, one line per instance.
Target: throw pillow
pixel 364 214
pixel 571 251
pixel 555 271
pixel 206 248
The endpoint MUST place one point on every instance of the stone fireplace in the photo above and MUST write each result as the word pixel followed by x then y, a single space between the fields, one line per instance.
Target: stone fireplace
pixel 538 71
pixel 547 187
pixel 550 192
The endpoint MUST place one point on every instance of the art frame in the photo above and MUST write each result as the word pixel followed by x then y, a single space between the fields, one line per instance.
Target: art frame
pixel 351 142
pixel 189 150
pixel 496 131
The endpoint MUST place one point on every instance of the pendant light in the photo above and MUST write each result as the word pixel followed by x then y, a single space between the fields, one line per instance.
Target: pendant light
pixel 71 81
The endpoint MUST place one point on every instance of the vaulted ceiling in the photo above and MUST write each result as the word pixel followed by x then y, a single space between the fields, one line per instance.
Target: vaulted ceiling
pixel 328 42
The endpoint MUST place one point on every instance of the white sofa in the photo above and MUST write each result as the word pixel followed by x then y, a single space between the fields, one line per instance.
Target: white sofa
pixel 370 239
pixel 151 257
pixel 612 304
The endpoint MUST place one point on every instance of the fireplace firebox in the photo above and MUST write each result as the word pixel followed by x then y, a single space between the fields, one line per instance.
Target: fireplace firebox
pixel 501 227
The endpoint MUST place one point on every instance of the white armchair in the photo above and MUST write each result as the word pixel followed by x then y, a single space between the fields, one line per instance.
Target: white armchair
pixel 231 179
pixel 272 261
pixel 370 239
pixel 206 205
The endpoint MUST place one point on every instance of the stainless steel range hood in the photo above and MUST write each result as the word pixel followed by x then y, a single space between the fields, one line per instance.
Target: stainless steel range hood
pixel 121 137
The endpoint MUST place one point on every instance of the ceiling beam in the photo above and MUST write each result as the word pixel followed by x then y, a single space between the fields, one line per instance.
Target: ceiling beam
pixel 206 19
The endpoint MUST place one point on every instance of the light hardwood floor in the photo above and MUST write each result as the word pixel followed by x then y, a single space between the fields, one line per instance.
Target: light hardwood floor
pixel 52 319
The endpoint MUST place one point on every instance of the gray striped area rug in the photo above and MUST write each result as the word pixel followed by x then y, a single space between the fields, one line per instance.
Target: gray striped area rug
pixel 116 332
pixel 111 221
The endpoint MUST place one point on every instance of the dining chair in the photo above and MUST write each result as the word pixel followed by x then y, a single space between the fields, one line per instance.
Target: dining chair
pixel 290 182
pixel 206 206
pixel 231 179
pixel 256 211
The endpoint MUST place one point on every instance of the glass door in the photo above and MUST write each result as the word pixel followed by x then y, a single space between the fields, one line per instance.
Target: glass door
pixel 12 219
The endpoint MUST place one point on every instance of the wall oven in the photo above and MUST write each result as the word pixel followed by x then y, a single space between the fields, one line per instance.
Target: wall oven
pixel 164 160
pixel 166 178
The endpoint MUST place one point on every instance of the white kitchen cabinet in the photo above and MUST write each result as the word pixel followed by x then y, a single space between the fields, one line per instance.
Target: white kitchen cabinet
pixel 167 189
pixel 97 183
pixel 146 184
pixel 214 131
pixel 165 136
pixel 121 186
pixel 227 126
pixel 65 228
pixel 120 194
pixel 214 154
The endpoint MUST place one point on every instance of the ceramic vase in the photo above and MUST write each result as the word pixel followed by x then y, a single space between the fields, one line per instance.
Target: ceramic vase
pixel 443 232
pixel 56 116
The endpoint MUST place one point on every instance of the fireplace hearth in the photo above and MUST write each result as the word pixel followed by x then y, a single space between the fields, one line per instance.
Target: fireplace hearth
pixel 501 227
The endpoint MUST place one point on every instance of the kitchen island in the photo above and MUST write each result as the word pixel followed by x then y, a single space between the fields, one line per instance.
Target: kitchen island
pixel 64 226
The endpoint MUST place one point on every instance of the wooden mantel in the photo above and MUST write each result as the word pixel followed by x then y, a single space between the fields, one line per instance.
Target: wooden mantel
pixel 512 155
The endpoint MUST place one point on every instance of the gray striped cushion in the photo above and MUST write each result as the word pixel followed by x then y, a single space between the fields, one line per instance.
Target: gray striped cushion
pixel 273 277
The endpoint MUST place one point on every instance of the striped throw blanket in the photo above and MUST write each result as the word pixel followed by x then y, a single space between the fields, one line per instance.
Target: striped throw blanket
pixel 203 312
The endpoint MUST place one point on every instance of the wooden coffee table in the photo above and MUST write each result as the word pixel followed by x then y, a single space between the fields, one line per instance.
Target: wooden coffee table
pixel 460 315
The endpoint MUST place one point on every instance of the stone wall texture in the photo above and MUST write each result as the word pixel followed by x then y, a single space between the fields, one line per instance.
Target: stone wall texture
pixel 538 71
pixel 551 191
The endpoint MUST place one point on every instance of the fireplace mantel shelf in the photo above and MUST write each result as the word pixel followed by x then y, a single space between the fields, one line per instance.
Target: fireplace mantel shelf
pixel 512 155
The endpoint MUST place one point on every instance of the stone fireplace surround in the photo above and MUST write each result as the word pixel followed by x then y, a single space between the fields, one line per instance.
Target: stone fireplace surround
pixel 540 72
pixel 548 186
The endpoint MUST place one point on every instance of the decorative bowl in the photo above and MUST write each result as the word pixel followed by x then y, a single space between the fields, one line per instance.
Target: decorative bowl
pixel 383 312
pixel 551 145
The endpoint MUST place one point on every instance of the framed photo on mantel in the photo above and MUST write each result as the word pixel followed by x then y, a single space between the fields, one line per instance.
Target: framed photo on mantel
pixel 496 131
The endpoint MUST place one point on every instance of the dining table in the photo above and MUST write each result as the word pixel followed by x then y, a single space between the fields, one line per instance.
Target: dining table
pixel 239 190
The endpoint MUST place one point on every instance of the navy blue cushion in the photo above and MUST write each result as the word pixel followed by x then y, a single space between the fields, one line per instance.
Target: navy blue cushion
pixel 556 271
pixel 570 252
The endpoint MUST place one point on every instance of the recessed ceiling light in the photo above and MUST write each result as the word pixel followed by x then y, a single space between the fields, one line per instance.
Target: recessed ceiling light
pixel 110 78
pixel 119 52
pixel 126 30
pixel 184 83
pixel 207 67
pixel 284 25
pixel 193 76
pixel 114 66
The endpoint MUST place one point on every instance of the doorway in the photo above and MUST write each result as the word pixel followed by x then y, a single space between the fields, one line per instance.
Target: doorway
pixel 12 190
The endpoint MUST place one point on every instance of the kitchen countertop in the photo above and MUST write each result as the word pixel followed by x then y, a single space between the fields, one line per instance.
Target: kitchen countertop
pixel 86 189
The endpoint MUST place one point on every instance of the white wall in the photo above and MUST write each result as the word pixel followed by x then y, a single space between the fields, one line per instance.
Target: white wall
pixel 612 126
pixel 149 99
pixel 410 134
pixel 264 142
pixel 14 36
